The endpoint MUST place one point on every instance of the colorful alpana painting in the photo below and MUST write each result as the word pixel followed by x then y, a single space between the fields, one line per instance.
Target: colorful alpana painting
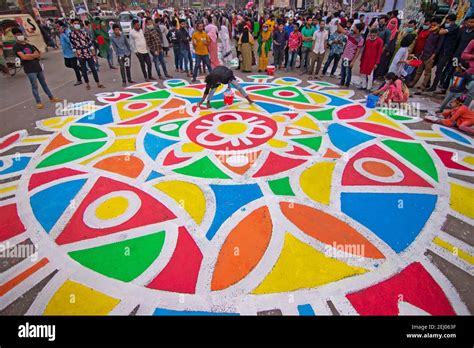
pixel 305 202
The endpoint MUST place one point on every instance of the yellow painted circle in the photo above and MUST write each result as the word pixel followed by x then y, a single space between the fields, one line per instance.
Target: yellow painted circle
pixel 112 208
pixel 232 128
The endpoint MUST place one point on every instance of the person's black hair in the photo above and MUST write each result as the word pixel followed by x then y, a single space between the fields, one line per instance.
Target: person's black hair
pixel 356 15
pixel 148 19
pixel 470 17
pixel 412 22
pixel 360 26
pixel 407 40
pixel 16 30
pixel 85 22
pixel 297 25
pixel 452 17
pixel 464 64
pixel 373 31
pixel 182 21
pixel 391 76
pixel 157 20
pixel 115 26
pixel 135 21
pixel 61 24
pixel 436 20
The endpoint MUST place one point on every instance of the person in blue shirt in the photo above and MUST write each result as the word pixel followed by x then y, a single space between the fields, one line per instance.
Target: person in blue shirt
pixel 70 59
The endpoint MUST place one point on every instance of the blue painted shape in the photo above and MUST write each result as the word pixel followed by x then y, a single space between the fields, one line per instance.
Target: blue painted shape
pixel 154 175
pixel 335 101
pixel 1 163
pixel 305 310
pixel 154 145
pixel 169 312
pixel 229 198
pixel 101 116
pixel 396 218
pixel 345 138
pixel 48 205
pixel 455 135
pixel 271 108
pixel 17 165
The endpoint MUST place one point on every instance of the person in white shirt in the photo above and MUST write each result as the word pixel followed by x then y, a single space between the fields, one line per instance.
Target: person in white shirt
pixel 138 45
pixel 316 57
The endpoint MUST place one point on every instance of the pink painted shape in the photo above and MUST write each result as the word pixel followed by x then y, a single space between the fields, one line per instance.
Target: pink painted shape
pixel 39 179
pixel 351 177
pixel 172 159
pixel 151 212
pixel 379 129
pixel 10 223
pixel 142 119
pixel 413 285
pixel 351 112
pixel 276 164
pixel 181 272
pixel 446 158
pixel 10 140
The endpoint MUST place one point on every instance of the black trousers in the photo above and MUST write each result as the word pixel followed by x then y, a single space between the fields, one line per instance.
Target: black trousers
pixel 442 71
pixel 72 64
pixel 125 63
pixel 84 62
pixel 144 58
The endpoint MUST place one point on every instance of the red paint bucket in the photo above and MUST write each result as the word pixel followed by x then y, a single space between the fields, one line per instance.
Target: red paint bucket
pixel 228 98
pixel 270 70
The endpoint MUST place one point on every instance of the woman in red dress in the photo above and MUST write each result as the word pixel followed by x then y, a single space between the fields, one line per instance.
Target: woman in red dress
pixel 370 58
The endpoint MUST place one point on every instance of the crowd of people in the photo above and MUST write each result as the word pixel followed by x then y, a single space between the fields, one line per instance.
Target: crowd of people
pixel 400 54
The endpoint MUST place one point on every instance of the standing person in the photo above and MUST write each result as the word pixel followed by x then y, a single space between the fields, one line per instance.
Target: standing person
pixel 123 51
pixel 449 35
pixel 264 44
pixel 246 47
pixel 221 75
pixel 30 56
pixel 384 33
pixel 85 52
pixel 289 29
pixel 351 52
pixel 153 43
pixel 164 34
pixel 212 32
pixel 280 40
pixel 401 57
pixel 225 40
pixel 468 56
pixel 307 33
pixel 172 38
pixel 70 59
pixel 201 42
pixel 370 58
pixel 336 42
pixel 294 44
pixel 102 37
pixel 138 45
pixel 428 55
pixel 184 50
pixel 320 39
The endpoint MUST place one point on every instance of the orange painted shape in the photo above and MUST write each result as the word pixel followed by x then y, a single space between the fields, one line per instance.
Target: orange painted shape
pixel 130 166
pixel 58 141
pixel 378 169
pixel 331 154
pixel 301 132
pixel 327 228
pixel 251 157
pixel 174 115
pixel 4 288
pixel 173 104
pixel 243 249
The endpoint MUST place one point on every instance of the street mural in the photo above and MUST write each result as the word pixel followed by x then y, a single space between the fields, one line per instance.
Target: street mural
pixel 303 203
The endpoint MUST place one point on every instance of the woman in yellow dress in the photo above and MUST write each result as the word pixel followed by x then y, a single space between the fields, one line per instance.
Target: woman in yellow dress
pixel 264 44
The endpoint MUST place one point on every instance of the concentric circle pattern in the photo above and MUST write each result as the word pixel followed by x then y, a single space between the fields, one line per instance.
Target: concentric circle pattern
pixel 305 202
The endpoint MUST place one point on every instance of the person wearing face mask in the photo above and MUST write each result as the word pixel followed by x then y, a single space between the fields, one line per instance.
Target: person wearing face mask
pixel 139 46
pixel 430 50
pixel 70 59
pixel 422 35
pixel 449 34
pixel 370 58
pixel 154 45
pixel 30 56
pixel 264 44
pixel 389 48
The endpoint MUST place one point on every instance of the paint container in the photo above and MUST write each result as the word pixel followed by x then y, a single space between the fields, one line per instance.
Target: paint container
pixel 372 101
pixel 270 70
pixel 228 98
